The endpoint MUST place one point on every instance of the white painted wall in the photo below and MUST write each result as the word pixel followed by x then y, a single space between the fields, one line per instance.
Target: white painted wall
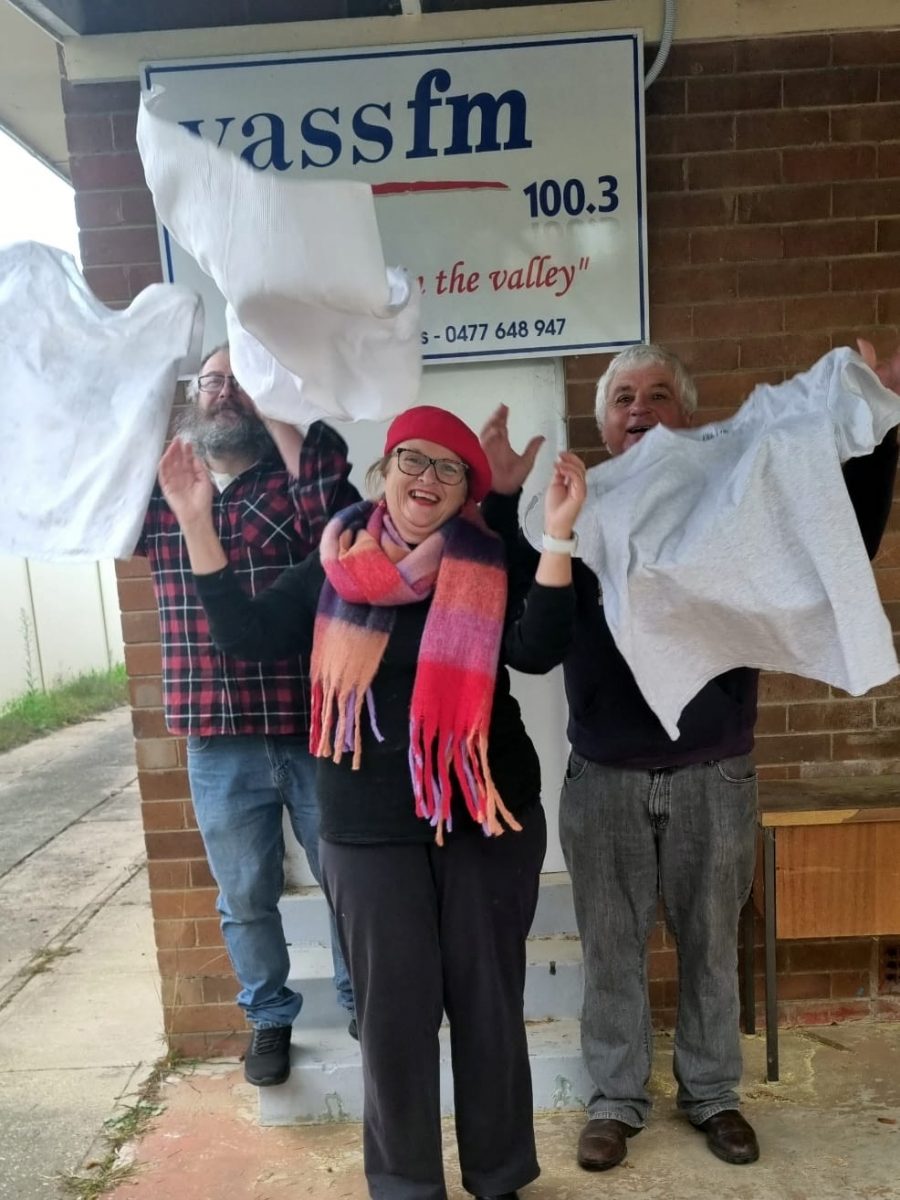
pixel 56 621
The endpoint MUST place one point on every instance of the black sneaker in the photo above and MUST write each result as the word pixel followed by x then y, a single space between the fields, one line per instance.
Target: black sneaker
pixel 267 1059
pixel 353 1029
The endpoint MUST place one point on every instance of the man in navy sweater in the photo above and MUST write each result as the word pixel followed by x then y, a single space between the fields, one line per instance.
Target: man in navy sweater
pixel 644 818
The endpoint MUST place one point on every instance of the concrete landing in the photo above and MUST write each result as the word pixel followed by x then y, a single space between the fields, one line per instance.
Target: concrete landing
pixel 830 1130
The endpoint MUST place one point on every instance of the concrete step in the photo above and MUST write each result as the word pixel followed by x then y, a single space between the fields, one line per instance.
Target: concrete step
pixel 305 913
pixel 326 1075
pixel 554 980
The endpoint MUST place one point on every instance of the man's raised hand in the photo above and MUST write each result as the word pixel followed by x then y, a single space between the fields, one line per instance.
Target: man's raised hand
pixel 186 484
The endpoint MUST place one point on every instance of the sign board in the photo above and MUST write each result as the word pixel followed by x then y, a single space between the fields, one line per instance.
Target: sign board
pixel 508 175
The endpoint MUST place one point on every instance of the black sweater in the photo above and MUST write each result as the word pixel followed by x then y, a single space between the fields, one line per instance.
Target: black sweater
pixel 375 804
pixel 609 720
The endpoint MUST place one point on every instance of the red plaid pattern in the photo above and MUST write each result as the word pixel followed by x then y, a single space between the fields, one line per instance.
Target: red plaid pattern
pixel 266 522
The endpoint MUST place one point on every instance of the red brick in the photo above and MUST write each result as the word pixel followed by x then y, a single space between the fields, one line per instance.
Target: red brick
pixel 785 128
pixel 100 97
pixel 93 172
pixel 846 954
pixel 831 715
pixel 209 932
pixel 99 210
pixel 878 198
pixel 866 123
pixel 813 163
pixel 173 844
pixel 859 274
pixel 204 1018
pixel 701 356
pixel 107 247
pixel 700 58
pixel 830 1013
pixel 201 876
pixel 831 87
pixel 772 718
pixel 666 174
pixel 887 714
pixel 731 389
pixel 782 279
pixel 824 312
pixel 124 131
pixel 688 134
pixel 137 207
pixel 671 321
pixel 740 317
pixel 156 754
pixel 806 986
pixel 208 1045
pixel 140 627
pixel 218 990
pixel 143 275
pixel 136 595
pixel 589 367
pixel 583 433
pixel 89 133
pixel 145 692
pixel 890 84
pixel 783 350
pixel 132 568
pixel 207 960
pixel 845 984
pixel 889 160
pixel 164 816
pixel 888 236
pixel 790 688
pixel 175 935
pixel 829 238
pixel 871 46
pixel 663 993
pixel 109 284
pixel 793 747
pixel 166 874
pixel 872 744
pixel 782 54
pixel 741 168
pixel 145 659
pixel 665 97
pixel 149 722
pixel 772 206
pixel 735 245
pixel 694 283
pixel 184 903
pixel 580 399
pixel 889 308
pixel 662 964
pixel 684 211
pixel 731 94
pixel 165 785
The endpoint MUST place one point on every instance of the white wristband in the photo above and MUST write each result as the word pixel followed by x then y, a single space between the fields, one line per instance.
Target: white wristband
pixel 559 545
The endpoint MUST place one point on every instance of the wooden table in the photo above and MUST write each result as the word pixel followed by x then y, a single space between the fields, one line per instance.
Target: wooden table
pixel 871 801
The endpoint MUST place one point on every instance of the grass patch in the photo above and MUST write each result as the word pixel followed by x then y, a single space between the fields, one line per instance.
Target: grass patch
pixel 99 1177
pixel 39 712
pixel 44 959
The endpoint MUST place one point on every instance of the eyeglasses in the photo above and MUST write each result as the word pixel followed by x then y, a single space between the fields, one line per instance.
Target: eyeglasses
pixel 447 470
pixel 215 381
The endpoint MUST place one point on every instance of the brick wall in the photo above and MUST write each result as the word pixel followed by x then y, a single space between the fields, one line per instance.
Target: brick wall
pixel 774 184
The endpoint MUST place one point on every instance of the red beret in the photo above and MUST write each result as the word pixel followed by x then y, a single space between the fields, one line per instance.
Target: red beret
pixel 441 427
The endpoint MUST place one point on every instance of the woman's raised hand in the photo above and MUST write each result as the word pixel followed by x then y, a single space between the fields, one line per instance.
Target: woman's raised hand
pixel 565 495
pixel 186 484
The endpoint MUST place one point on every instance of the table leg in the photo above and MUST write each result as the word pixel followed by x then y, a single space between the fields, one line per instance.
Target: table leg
pixel 748 937
pixel 771 973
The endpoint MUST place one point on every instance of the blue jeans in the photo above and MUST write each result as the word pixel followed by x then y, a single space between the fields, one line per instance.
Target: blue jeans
pixel 688 835
pixel 241 785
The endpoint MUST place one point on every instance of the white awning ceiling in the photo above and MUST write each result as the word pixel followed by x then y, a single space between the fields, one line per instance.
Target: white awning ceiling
pixel 30 101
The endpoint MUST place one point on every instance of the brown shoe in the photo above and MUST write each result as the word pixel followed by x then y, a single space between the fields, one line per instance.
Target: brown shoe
pixel 730 1137
pixel 601 1144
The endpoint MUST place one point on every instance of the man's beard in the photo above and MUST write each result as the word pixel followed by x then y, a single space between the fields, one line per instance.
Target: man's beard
pixel 213 437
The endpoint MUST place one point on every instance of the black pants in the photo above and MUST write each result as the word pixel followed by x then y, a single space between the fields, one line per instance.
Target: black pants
pixel 427 930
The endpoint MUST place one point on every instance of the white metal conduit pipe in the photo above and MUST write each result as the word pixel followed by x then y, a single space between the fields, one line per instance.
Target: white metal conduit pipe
pixel 670 17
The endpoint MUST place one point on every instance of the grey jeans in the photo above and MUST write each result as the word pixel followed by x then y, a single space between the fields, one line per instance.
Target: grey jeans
pixel 687 834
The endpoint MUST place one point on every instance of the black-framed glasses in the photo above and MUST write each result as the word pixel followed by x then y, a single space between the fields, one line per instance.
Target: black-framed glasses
pixel 215 381
pixel 413 462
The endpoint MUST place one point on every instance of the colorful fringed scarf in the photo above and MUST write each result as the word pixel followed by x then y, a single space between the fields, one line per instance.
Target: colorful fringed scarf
pixel 369 571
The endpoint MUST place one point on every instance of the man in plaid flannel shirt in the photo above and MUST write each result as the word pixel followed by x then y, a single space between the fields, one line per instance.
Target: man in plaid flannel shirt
pixel 247 724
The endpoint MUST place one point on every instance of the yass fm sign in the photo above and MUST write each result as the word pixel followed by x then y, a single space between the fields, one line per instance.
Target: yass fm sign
pixel 508 175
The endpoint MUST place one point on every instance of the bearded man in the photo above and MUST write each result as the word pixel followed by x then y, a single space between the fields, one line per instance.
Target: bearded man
pixel 247 724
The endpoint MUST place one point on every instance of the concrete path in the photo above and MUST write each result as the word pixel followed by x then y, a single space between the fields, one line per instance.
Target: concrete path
pixel 80 1015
